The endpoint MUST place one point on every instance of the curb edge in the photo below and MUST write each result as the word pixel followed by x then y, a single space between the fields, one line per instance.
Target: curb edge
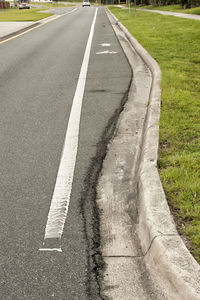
pixel 165 252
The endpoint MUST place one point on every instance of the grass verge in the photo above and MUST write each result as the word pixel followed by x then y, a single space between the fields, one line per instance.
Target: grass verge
pixel 21 15
pixel 175 8
pixel 50 5
pixel 37 12
pixel 174 44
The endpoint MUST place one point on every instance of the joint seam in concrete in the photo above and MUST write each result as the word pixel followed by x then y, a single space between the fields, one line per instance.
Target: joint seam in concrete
pixel 123 256
pixel 155 237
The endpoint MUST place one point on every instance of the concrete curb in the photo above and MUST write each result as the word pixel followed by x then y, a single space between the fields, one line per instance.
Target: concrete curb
pixel 165 253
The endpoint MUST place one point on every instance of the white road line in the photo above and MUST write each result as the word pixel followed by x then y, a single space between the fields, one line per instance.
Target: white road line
pixel 51 249
pixel 105 45
pixel 107 52
pixel 62 191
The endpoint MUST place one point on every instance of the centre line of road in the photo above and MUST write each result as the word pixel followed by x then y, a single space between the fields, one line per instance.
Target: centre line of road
pixel 62 190
pixel 37 26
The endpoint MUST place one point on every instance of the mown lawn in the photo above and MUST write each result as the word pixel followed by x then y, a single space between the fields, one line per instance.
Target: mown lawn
pixel 174 43
pixel 20 15
pixel 35 13
pixel 50 5
pixel 175 8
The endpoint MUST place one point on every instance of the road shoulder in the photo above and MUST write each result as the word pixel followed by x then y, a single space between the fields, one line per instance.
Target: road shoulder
pixel 117 193
pixel 164 250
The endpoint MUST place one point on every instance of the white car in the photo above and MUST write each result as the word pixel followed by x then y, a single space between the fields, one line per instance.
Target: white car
pixel 86 3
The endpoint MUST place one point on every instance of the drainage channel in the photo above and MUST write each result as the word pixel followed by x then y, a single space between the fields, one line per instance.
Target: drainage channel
pixel 125 275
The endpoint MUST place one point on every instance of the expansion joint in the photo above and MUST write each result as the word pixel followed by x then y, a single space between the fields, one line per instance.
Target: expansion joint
pixel 163 235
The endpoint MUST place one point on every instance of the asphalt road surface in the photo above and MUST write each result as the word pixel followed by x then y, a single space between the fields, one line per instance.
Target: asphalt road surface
pixel 39 74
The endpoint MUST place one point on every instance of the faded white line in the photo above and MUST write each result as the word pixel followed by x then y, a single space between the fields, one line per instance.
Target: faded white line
pixel 105 45
pixel 69 12
pixel 107 52
pixel 62 191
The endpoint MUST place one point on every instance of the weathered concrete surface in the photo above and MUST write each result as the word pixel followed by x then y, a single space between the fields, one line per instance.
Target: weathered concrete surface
pixel 166 258
pixel 7 28
pixel 126 276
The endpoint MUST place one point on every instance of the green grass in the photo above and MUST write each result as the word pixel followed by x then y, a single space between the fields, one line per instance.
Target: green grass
pixel 174 8
pixel 50 5
pixel 20 15
pixel 174 43
pixel 32 14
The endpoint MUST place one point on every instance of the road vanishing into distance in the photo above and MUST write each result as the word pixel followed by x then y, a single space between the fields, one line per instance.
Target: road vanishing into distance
pixel 51 152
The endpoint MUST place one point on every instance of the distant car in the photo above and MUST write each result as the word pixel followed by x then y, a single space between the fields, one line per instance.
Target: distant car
pixel 24 4
pixel 86 3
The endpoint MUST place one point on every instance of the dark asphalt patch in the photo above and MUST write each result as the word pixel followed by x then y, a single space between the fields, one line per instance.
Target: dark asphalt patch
pixel 90 211
pixel 97 91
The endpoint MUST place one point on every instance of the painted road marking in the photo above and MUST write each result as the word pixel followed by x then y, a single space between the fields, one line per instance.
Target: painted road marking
pixel 39 25
pixel 51 249
pixel 106 52
pixel 62 190
pixel 105 45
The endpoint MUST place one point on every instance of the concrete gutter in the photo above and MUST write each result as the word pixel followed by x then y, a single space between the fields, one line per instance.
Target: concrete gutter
pixel 166 256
